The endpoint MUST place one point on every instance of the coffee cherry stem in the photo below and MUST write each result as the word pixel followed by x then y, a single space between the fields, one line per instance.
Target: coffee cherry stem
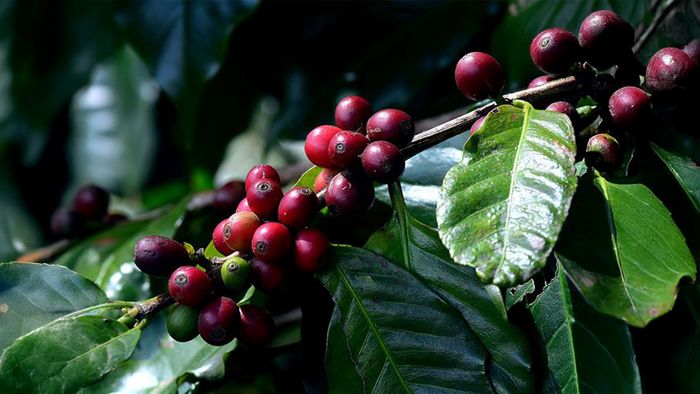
pixel 662 11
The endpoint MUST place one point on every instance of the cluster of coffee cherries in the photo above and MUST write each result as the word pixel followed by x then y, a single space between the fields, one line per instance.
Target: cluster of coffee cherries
pixel 604 43
pixel 361 148
pixel 88 214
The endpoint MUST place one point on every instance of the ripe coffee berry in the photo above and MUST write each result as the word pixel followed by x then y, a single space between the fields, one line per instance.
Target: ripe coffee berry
pixel 159 256
pixel 267 277
pixel 554 50
pixel 227 197
pixel 352 113
pixel 218 321
pixel 310 249
pixel 628 105
pixel 91 202
pixel 391 125
pixel 692 49
pixel 189 286
pixel 235 273
pixel 263 196
pixel 382 162
pixel 261 171
pixel 298 207
pixel 239 229
pixel 603 152
pixel 271 242
pixel 349 194
pixel 346 147
pixel 243 206
pixel 605 38
pixel 256 325
pixel 182 323
pixel 323 178
pixel 218 236
pixel 316 145
pixel 670 70
pixel 67 223
pixel 479 76
pixel 476 125
pixel 539 81
pixel 564 107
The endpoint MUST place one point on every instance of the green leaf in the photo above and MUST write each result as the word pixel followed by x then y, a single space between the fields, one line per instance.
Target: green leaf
pixel 417 248
pixel 66 355
pixel 684 170
pixel 401 337
pixel 308 177
pixel 517 293
pixel 32 295
pixel 19 232
pixel 586 351
pixel 501 208
pixel 623 251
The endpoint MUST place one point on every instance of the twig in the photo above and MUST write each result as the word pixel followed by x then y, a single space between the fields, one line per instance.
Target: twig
pixel 661 13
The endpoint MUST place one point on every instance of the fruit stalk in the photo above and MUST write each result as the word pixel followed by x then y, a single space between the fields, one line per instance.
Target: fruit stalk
pixel 661 13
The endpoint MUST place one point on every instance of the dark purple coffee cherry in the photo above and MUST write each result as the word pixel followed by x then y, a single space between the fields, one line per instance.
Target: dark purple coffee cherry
pixel 298 207
pixel 323 179
pixel 349 194
pixel 670 70
pixel 159 256
pixel 539 81
pixel 189 285
pixel 603 152
pixel 692 49
pixel 391 125
pixel 310 250
pixel 346 147
pixel 114 218
pixel 218 321
pixel 564 107
pixel 91 202
pixel 263 197
pixel 67 223
pixel 382 162
pixel 316 145
pixel 605 38
pixel 476 125
pixel 352 113
pixel 267 277
pixel 554 50
pixel 182 323
pixel 227 197
pixel 256 325
pixel 271 242
pixel 479 76
pixel 628 106
pixel 261 171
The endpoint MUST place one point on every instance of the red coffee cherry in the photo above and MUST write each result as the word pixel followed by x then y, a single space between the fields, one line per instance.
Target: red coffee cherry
pixel 391 125
pixel 159 256
pixel 218 321
pixel 323 178
pixel 479 76
pixel 256 325
pixel 218 238
pixel 316 145
pixel 564 107
pixel 67 223
pixel 189 286
pixel 670 70
pixel 310 249
pixel 629 105
pixel 554 50
pixel 227 197
pixel 261 171
pixel 271 242
pixel 476 125
pixel 352 113
pixel 263 196
pixel 603 152
pixel 539 81
pixel 239 229
pixel 692 49
pixel 91 202
pixel 605 38
pixel 298 207
pixel 382 162
pixel 267 277
pixel 346 147
pixel 349 194
pixel 243 206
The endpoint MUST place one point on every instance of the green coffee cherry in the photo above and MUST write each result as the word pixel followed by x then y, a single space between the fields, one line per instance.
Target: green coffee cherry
pixel 182 323
pixel 235 273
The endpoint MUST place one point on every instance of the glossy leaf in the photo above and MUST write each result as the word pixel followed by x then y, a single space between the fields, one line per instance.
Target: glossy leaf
pixel 501 208
pixel 308 177
pixel 387 321
pixel 32 295
pixel 623 251
pixel 66 355
pixel 685 171
pixel 586 351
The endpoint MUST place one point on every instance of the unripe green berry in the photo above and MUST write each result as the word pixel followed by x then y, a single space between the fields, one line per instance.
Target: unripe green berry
pixel 235 273
pixel 182 323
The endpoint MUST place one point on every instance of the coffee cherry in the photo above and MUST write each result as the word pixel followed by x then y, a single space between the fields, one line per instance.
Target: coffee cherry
pixel 243 206
pixel 310 248
pixel 256 325
pixel 391 125
pixel 189 286
pixel 182 323
pixel 218 237
pixel 628 105
pixel 479 76
pixel 349 194
pixel 603 152
pixel 476 125
pixel 271 242
pixel 554 50
pixel 692 49
pixel 235 273
pixel 261 171
pixel 112 219
pixel 267 277
pixel 298 207
pixel 605 38
pixel 352 113
pixel 227 197
pixel 67 223
pixel 263 196
pixel 159 256
pixel 91 202
pixel 564 107
pixel 239 229
pixel 218 321
pixel 382 162
pixel 316 145
pixel 670 70
pixel 323 178
pixel 539 81
pixel 346 147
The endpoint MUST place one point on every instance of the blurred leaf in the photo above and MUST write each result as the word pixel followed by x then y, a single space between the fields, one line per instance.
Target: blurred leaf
pixel 681 25
pixel 19 232
pixel 685 171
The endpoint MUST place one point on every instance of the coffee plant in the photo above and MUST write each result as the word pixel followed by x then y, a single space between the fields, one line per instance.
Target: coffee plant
pixel 540 240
